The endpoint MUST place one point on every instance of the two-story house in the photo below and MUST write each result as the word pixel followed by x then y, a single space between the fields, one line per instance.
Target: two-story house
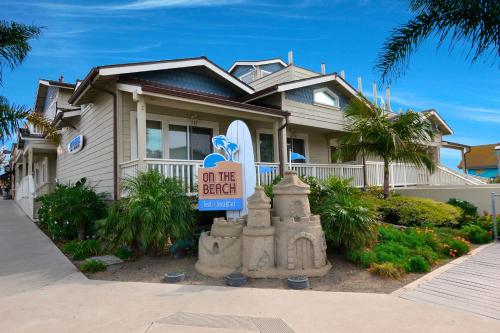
pixel 162 115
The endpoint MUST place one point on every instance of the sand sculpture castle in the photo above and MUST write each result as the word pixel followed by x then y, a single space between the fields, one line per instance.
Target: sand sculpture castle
pixel 281 242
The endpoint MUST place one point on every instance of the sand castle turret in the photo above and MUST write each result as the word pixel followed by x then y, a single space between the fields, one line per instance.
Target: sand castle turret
pixel 258 235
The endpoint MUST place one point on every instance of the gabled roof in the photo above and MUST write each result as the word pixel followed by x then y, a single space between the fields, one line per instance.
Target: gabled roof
pixel 157 88
pixel 300 84
pixel 41 91
pixel 111 70
pixel 256 63
pixel 481 157
pixel 431 113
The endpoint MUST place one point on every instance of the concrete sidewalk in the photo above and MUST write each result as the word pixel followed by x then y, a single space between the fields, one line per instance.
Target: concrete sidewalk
pixel 41 291
pixel 28 259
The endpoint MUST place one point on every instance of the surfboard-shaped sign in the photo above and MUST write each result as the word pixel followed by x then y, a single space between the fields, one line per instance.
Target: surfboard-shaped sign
pixel 239 133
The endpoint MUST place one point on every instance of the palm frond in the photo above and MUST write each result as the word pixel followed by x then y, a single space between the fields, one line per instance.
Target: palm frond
pixel 11 118
pixel 474 21
pixel 45 126
pixel 14 43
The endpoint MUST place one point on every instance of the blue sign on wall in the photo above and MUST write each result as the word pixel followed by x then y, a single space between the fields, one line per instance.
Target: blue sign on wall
pixel 76 144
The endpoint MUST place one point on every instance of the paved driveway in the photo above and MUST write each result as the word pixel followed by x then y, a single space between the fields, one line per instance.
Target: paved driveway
pixel 41 291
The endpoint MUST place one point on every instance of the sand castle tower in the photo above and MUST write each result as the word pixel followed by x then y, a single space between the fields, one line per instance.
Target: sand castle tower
pixel 299 238
pixel 258 235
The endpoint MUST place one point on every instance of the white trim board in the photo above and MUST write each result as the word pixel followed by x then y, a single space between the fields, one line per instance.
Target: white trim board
pixel 172 65
pixel 256 63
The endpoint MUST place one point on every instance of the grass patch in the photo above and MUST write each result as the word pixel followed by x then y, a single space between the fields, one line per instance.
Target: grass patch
pixel 92 266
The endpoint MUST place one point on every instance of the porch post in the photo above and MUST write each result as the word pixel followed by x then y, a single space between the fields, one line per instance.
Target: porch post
pixel 141 133
pixel 276 145
pixel 30 162
pixel 25 169
pixel 283 151
pixel 464 162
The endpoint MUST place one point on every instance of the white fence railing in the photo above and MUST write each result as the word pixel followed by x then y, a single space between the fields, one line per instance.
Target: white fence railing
pixel 399 174
pixel 25 195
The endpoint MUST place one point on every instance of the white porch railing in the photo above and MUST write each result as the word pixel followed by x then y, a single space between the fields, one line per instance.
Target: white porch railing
pixel 25 195
pixel 399 174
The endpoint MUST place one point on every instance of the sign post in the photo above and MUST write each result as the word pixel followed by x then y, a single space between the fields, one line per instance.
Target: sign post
pixel 494 213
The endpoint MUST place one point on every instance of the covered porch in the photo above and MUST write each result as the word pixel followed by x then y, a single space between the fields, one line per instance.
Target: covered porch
pixel 172 134
pixel 34 171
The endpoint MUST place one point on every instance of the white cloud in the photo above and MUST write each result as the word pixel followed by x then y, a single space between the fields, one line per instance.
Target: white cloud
pixel 152 4
pixel 135 5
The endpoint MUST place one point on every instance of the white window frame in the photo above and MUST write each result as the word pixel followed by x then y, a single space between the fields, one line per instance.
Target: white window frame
pixel 260 131
pixel 331 94
pixel 302 136
pixel 166 121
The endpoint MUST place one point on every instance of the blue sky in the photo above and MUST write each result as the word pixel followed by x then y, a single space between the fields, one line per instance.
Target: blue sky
pixel 345 34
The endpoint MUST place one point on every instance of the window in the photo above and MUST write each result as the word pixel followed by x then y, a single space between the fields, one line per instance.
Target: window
pixel 194 146
pixel 154 139
pixel 173 137
pixel 326 97
pixel 177 141
pixel 266 147
pixel 200 142
pixel 296 146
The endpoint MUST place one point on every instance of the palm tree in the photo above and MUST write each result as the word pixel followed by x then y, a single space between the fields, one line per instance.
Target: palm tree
pixel 14 48
pixel 476 22
pixel 394 138
pixel 11 117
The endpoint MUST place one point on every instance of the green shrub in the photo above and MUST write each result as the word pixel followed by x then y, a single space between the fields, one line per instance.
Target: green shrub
pixel 155 212
pixel 455 247
pixel 347 221
pixel 475 234
pixel 469 210
pixel 92 266
pixel 418 212
pixel 486 222
pixel 317 193
pixel 418 264
pixel 79 250
pixel 69 210
pixel 386 270
pixel 124 253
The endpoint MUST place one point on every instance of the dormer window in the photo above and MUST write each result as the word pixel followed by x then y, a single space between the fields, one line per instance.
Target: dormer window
pixel 325 97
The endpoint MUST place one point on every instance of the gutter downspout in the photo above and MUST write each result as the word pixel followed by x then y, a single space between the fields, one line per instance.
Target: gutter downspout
pixel 115 139
pixel 280 145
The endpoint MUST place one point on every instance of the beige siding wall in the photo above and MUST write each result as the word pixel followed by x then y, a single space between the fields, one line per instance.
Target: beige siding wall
pixel 319 148
pixel 290 73
pixel 315 116
pixel 95 160
pixel 63 97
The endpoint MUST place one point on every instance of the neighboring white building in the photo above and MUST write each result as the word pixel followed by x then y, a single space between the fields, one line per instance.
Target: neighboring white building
pixel 161 115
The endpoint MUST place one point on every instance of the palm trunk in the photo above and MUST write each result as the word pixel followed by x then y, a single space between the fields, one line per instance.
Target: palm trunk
pixel 386 178
pixel 365 176
pixel 80 228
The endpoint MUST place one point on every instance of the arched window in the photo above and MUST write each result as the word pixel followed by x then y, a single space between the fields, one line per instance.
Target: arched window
pixel 326 97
